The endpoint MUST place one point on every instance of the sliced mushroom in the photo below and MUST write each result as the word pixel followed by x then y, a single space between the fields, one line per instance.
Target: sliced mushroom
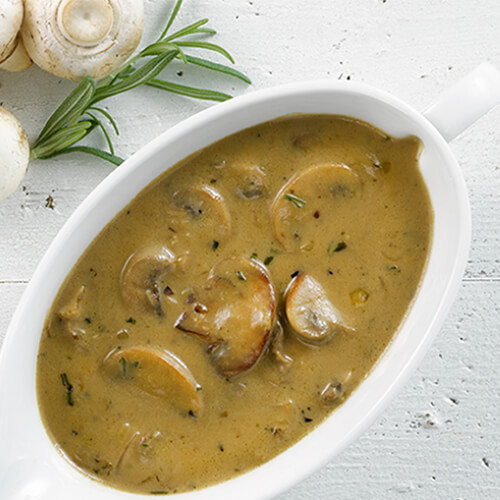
pixel 156 372
pixel 310 313
pixel 142 275
pixel 206 206
pixel 252 184
pixel 71 314
pixel 307 199
pixel 75 38
pixel 235 312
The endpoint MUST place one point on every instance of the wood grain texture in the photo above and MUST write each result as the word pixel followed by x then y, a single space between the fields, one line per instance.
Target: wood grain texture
pixel 440 437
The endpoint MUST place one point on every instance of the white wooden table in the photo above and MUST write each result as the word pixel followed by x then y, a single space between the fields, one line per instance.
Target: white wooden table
pixel 440 438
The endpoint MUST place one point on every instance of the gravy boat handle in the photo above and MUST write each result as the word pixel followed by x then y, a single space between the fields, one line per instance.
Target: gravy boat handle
pixel 465 102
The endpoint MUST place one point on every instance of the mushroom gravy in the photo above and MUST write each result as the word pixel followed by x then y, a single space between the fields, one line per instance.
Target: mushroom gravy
pixel 234 303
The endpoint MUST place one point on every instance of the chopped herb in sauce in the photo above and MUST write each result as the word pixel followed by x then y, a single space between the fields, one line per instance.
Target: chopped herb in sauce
pixel 333 248
pixel 254 256
pixel 241 276
pixel 298 202
pixel 305 417
pixel 69 389
pixel 268 260
pixel 294 274
pixel 131 320
pixel 215 245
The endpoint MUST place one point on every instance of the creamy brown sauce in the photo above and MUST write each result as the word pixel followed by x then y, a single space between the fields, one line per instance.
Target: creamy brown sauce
pixel 234 303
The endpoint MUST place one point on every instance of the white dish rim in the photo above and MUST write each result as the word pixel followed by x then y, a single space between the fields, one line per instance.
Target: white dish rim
pixel 257 483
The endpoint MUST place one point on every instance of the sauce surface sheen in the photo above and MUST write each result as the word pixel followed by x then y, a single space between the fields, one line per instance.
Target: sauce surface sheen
pixel 234 303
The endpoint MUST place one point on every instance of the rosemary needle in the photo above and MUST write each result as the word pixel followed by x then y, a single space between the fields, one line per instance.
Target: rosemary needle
pixel 298 202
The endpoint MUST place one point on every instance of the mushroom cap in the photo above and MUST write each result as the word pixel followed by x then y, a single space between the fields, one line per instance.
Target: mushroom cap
pixel 156 372
pixel 141 277
pixel 11 17
pixel 310 313
pixel 75 38
pixel 14 153
pixel 204 206
pixel 327 189
pixel 252 183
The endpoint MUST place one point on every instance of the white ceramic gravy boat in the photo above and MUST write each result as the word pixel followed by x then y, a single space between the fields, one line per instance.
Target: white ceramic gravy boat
pixel 30 465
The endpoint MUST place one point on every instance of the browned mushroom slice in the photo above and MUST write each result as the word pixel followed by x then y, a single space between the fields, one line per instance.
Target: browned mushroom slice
pixel 205 205
pixel 308 198
pixel 235 312
pixel 71 314
pixel 142 275
pixel 252 184
pixel 156 372
pixel 311 315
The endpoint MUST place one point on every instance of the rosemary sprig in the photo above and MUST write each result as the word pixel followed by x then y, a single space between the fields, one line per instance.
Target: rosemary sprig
pixel 77 116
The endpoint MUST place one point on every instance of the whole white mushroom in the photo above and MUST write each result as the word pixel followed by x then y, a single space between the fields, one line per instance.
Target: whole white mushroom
pixel 14 153
pixel 76 38
pixel 13 56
